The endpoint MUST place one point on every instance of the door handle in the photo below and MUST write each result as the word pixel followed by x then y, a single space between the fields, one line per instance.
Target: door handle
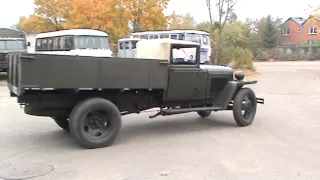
pixel 164 62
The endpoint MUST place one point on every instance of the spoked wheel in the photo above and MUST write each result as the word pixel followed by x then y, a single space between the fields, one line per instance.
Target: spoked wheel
pixel 62 122
pixel 244 107
pixel 95 123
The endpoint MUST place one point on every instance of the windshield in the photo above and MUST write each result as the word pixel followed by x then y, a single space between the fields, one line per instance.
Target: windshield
pixel 11 44
pixel 193 38
pixel 91 42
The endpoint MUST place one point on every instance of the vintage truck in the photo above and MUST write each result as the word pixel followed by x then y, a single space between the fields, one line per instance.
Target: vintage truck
pixel 88 96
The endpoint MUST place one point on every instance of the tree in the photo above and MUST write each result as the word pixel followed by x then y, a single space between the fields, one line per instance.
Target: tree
pixel 146 14
pixel 270 35
pixel 225 12
pixel 204 26
pixel 53 11
pixel 183 21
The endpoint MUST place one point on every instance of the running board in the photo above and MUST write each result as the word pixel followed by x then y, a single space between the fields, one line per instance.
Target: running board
pixel 166 112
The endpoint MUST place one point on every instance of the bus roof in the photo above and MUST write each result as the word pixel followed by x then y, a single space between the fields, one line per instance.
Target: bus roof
pixel 171 32
pixel 10 39
pixel 6 32
pixel 128 39
pixel 72 32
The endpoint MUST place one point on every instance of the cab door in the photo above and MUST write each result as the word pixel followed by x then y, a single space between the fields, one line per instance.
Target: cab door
pixel 187 81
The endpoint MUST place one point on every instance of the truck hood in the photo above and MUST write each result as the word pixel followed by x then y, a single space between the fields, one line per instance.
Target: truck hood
pixel 217 69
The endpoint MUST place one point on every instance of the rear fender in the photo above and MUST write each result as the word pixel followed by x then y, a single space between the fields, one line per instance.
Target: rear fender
pixel 226 95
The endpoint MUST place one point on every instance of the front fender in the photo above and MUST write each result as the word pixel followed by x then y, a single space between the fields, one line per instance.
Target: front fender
pixel 226 95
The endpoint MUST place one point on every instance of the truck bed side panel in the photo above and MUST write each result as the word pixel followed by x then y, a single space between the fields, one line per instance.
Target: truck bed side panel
pixel 66 72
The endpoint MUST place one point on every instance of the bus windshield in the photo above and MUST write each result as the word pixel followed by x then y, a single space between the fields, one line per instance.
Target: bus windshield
pixel 11 44
pixel 91 42
pixel 193 38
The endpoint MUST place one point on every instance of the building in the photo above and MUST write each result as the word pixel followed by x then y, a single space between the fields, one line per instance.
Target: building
pixel 297 31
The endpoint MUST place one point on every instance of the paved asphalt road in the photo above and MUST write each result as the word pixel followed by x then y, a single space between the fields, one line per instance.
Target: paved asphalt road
pixel 283 142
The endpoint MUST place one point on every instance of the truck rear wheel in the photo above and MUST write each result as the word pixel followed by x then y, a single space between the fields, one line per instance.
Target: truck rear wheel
pixel 244 107
pixel 62 122
pixel 95 123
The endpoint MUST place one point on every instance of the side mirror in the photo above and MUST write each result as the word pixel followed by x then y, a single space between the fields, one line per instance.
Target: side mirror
pixel 28 44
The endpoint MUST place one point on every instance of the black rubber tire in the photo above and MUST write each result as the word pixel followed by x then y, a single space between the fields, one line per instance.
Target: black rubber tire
pixel 204 113
pixel 79 114
pixel 62 122
pixel 237 106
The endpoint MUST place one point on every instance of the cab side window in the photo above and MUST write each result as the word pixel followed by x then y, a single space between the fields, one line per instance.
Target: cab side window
pixel 184 55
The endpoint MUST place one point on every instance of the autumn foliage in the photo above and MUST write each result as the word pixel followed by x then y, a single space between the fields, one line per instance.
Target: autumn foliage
pixel 116 17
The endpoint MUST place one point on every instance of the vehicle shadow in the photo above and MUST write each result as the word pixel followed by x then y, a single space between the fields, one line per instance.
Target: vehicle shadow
pixel 174 126
pixel 55 139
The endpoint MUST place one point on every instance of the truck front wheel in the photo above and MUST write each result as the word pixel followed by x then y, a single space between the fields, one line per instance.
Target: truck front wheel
pixel 95 123
pixel 244 107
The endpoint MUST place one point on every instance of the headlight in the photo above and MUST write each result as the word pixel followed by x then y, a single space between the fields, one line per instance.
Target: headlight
pixel 239 75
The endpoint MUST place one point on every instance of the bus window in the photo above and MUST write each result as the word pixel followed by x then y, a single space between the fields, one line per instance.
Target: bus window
pixel 50 44
pixel 193 38
pixel 121 45
pixel 174 36
pixel 61 43
pixel 164 36
pixel 154 36
pixel 68 43
pixel 205 40
pixel 127 45
pixel 181 36
pixel 144 37
pixel 134 44
pixel 2 45
pixel 44 43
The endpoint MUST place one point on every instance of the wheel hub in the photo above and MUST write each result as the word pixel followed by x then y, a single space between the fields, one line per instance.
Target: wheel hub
pixel 96 125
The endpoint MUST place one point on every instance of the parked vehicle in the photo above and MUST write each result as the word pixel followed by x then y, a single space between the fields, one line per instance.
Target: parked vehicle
pixel 11 41
pixel 201 37
pixel 88 96
pixel 127 47
pixel 81 42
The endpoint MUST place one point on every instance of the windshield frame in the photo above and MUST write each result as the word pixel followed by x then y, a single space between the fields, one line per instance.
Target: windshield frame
pixel 102 45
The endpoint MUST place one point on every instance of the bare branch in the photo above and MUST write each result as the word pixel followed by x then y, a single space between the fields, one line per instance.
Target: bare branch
pixel 229 10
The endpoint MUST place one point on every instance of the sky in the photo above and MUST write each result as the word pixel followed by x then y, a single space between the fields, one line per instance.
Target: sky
pixel 11 10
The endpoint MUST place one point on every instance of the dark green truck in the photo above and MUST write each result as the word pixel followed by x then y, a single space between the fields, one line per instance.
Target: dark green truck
pixel 87 96
pixel 11 41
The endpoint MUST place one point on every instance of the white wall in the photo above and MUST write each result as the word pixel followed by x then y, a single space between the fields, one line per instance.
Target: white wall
pixel 31 39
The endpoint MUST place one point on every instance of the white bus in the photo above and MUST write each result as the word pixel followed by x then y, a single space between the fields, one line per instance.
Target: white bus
pixel 81 42
pixel 201 37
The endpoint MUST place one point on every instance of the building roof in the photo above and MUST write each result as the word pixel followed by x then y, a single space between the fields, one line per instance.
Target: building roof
pixel 298 20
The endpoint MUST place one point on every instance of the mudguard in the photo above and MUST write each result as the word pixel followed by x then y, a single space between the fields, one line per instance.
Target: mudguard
pixel 226 95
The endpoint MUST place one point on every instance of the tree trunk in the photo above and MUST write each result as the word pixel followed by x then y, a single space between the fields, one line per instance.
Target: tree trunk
pixel 216 59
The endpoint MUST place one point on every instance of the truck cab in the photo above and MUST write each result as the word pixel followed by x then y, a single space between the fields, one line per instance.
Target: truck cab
pixel 187 77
